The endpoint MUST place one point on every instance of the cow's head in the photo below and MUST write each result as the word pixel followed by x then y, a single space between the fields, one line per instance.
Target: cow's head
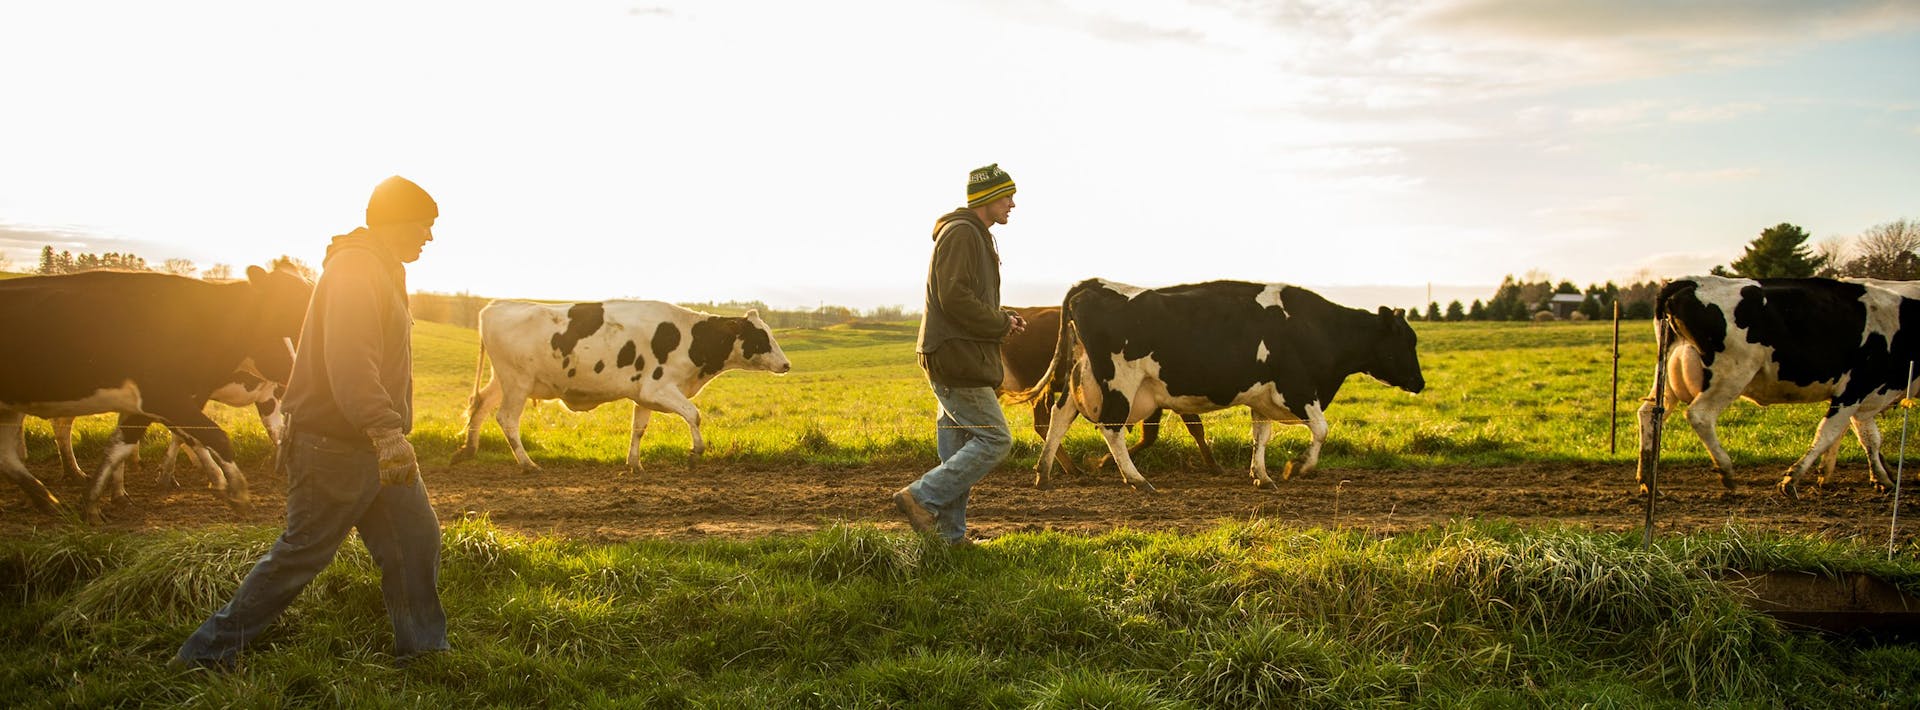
pixel 724 343
pixel 1396 360
pixel 758 351
pixel 280 297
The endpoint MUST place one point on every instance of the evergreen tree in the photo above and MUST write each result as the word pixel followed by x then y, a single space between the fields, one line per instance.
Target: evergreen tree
pixel 49 264
pixel 1780 251
pixel 1433 311
pixel 1455 312
pixel 1477 311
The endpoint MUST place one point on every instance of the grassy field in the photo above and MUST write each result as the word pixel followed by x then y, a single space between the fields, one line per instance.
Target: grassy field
pixel 1497 393
pixel 1482 614
pixel 1243 616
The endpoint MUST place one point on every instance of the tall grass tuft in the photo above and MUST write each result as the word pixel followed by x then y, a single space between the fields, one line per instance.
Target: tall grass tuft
pixel 174 577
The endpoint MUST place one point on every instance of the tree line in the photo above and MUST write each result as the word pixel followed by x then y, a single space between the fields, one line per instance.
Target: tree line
pixel 67 262
pixel 1886 251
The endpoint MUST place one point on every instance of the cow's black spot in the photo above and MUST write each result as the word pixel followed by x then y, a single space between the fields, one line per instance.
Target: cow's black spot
pixel 634 378
pixel 627 353
pixel 598 366
pixel 754 340
pixel 657 371
pixel 582 320
pixel 1814 326
pixel 665 339
pixel 713 340
pixel 569 372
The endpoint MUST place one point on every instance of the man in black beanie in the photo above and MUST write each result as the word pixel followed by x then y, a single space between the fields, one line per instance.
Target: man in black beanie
pixel 348 462
pixel 959 346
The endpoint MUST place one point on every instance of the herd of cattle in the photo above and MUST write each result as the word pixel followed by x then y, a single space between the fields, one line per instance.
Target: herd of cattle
pixel 155 348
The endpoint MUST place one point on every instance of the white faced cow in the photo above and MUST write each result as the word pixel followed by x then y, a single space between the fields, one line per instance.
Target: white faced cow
pixel 1281 351
pixel 657 354
pixel 1780 341
pixel 151 347
pixel 246 390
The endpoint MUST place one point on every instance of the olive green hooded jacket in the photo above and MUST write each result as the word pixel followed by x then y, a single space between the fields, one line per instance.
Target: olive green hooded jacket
pixel 961 330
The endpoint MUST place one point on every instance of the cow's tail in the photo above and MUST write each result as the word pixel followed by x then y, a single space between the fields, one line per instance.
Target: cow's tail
pixel 1053 384
pixel 479 371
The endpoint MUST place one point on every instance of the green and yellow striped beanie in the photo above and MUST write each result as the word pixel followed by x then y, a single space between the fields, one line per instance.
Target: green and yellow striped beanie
pixel 987 184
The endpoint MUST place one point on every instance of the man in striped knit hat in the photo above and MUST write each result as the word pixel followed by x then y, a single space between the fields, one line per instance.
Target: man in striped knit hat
pixel 959 346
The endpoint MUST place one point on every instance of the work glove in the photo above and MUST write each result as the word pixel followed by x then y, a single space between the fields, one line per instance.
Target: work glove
pixel 398 464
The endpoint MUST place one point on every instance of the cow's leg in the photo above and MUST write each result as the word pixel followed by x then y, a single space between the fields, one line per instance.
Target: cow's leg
pixel 1831 429
pixel 164 478
pixel 1149 433
pixel 1703 415
pixel 126 439
pixel 641 415
pixel 1262 430
pixel 1041 418
pixel 13 462
pixel 1199 433
pixel 1058 422
pixel 509 417
pixel 477 408
pixel 1868 431
pixel 1317 427
pixel 671 400
pixel 1115 434
pixel 63 440
pixel 198 429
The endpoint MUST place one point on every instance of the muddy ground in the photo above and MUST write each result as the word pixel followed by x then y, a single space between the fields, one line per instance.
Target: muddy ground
pixel 599 502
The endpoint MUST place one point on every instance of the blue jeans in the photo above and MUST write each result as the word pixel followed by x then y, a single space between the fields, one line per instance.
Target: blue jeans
pixel 972 439
pixel 333 488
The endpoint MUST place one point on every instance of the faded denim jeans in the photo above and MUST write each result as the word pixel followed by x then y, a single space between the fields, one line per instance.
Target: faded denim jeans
pixel 972 439
pixel 334 488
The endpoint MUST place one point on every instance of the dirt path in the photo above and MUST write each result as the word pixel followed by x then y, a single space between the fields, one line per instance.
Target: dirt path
pixel 595 501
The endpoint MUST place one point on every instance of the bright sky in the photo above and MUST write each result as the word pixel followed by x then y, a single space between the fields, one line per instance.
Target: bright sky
pixel 797 152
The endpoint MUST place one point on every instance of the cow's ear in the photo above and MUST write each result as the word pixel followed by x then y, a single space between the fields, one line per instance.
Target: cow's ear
pixel 1386 312
pixel 256 274
pixel 753 313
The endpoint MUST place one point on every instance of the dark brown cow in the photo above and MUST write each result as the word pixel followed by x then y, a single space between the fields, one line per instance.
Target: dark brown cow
pixel 151 347
pixel 1026 356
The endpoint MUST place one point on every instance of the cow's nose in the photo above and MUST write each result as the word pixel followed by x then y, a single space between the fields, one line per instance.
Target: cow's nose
pixel 784 367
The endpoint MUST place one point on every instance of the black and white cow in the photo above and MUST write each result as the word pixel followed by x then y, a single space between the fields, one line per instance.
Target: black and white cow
pixel 1281 351
pixel 587 354
pixel 245 390
pixel 152 347
pixel 1782 341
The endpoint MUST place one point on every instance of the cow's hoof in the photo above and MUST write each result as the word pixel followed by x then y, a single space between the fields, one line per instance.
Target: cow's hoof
pixel 530 468
pixel 90 513
pixel 1788 489
pixel 47 504
pixel 167 482
pixel 1143 486
pixel 1042 484
pixel 1262 484
pixel 464 454
pixel 77 473
pixel 634 469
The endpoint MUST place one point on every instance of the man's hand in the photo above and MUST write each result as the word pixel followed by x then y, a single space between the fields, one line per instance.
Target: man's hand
pixel 1015 324
pixel 398 464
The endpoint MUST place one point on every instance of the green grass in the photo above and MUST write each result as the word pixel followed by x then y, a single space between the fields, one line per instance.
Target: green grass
pixel 1497 393
pixel 1246 615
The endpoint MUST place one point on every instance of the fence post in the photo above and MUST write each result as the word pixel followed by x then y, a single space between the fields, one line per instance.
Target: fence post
pixel 1613 411
pixel 1650 450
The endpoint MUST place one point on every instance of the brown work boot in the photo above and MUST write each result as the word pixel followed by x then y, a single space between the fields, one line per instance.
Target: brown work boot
pixel 918 517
